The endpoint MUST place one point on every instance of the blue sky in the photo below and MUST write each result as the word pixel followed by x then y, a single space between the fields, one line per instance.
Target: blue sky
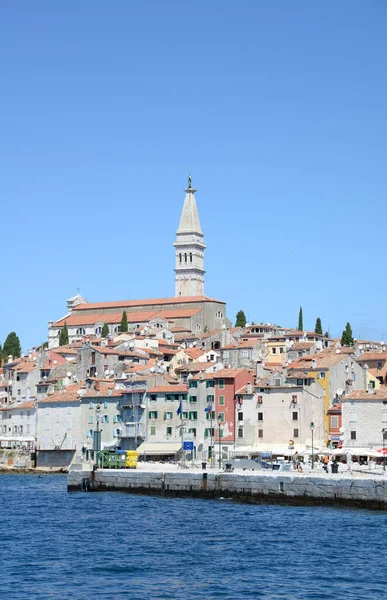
pixel 278 109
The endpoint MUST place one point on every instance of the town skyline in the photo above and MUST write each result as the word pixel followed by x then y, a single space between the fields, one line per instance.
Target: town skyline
pixel 285 146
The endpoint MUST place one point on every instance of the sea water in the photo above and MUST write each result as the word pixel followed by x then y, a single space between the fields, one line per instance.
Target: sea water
pixel 60 545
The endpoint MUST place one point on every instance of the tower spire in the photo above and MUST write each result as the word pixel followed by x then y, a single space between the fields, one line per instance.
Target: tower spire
pixel 189 249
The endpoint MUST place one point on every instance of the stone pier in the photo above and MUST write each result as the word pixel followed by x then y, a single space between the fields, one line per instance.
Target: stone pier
pixel 361 491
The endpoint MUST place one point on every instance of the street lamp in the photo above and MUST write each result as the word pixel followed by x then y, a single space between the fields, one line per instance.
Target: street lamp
pixel 384 449
pixel 97 436
pixel 219 431
pixel 312 428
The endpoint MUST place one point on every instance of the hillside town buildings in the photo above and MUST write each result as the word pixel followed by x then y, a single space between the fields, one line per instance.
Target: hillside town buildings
pixel 182 373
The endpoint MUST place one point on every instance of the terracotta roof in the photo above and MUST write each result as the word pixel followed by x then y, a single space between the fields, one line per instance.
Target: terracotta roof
pixel 168 389
pixel 23 405
pixel 180 330
pixel 301 346
pixel 298 375
pixel 148 302
pixel 323 361
pixel 193 352
pixel 195 367
pixel 25 367
pixel 54 356
pixel 380 394
pixel 75 320
pixel 240 344
pixel 368 356
pixel 228 373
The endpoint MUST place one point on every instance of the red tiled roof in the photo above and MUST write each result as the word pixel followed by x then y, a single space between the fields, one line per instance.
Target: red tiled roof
pixel 168 389
pixel 148 302
pixel 25 367
pixel 372 356
pixel 23 405
pixel 380 394
pixel 75 320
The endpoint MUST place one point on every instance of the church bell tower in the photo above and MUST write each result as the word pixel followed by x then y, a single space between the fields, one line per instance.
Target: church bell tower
pixel 189 249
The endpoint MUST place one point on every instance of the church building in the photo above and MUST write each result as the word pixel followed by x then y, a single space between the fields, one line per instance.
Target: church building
pixel 190 310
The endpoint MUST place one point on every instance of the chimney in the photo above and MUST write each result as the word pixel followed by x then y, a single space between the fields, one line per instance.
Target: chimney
pixel 314 364
pixel 249 388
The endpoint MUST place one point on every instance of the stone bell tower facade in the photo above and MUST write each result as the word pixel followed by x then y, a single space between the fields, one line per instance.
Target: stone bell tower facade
pixel 189 249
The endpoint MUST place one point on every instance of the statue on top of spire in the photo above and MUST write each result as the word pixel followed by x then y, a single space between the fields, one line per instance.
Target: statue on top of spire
pixel 189 181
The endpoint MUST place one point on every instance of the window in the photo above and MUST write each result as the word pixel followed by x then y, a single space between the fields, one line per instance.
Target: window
pixel 260 416
pixel 193 415
pixel 153 414
pixel 240 416
pixel 193 399
pixel 91 419
pixel 98 330
pixel 91 404
pixel 106 404
pixel 117 419
pixel 335 422
pixel 190 257
pixel 105 418
pixel 68 425
pixel 245 354
pixel 240 432
pixel 221 400
pixel 193 384
pixel 221 384
pixel 219 315
pixel 193 431
pixel 274 350
pixel 89 433
pixel 168 416
pixel 260 433
pixel 117 329
pixel 281 349
pixel 295 433
pixel 208 432
pixel 226 354
pixel 221 416
pixel 353 435
pixel 168 431
pixel 180 256
pixel 352 416
pixel 185 257
pixel 321 375
pixel 300 381
pixel 277 382
pixel 68 411
pixel 295 416
pixel 210 383
pixel 210 398
pixel 385 435
pixel 153 430
pixel 81 331
pixel 210 415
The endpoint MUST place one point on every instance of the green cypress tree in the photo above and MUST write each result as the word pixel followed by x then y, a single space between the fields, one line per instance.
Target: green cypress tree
pixel 347 337
pixel 124 322
pixel 64 336
pixel 12 346
pixel 326 334
pixel 240 319
pixel 318 328
pixel 105 330
pixel 300 320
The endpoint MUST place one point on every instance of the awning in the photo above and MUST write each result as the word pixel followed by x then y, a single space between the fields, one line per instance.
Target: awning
pixel 159 448
pixel 277 449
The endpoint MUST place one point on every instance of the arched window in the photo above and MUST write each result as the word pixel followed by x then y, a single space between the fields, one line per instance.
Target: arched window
pixel 197 327
pixel 59 332
pixel 190 257
pixel 117 329
pixel 98 330
pixel 185 257
pixel 81 331
pixel 219 315
pixel 180 256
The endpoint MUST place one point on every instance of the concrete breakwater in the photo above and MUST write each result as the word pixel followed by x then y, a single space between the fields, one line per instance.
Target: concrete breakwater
pixel 284 488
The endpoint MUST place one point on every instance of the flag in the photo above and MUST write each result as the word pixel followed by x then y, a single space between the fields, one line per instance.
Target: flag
pixel 178 412
pixel 208 408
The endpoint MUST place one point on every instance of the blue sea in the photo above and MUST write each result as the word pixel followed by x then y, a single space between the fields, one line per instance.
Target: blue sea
pixel 60 545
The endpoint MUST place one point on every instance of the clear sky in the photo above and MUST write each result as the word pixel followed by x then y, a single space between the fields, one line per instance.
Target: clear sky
pixel 279 111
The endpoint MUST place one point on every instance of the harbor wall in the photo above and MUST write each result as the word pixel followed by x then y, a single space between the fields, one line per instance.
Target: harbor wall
pixel 284 488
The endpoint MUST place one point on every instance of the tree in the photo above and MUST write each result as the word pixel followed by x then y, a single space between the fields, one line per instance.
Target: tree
pixel 347 337
pixel 12 346
pixel 124 322
pixel 240 319
pixel 326 334
pixel 64 336
pixel 105 330
pixel 318 328
pixel 300 320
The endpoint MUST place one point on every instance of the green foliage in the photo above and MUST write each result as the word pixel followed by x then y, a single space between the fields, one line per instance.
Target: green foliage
pixel 252 322
pixel 326 334
pixel 12 346
pixel 318 328
pixel 347 337
pixel 124 322
pixel 105 330
pixel 64 336
pixel 240 319
pixel 300 320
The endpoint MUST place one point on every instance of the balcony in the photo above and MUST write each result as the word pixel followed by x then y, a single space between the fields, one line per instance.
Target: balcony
pixel 132 430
